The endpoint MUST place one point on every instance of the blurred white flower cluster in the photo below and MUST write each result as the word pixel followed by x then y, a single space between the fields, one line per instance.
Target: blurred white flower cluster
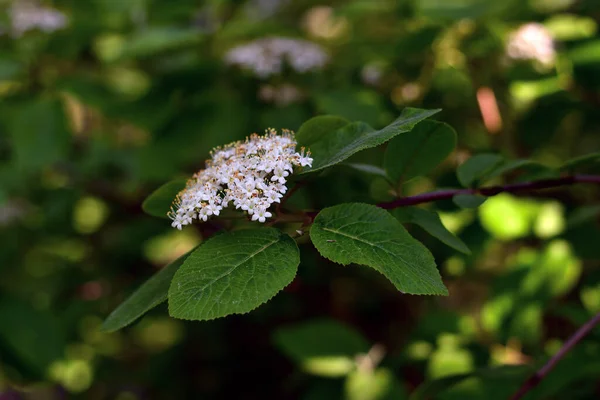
pixel 532 41
pixel 251 174
pixel 267 56
pixel 26 15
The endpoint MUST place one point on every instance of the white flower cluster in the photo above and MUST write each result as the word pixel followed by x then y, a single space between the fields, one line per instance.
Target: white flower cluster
pixel 267 56
pixel 532 41
pixel 251 174
pixel 26 15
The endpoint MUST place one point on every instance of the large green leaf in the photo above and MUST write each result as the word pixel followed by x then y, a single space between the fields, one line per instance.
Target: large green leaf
pixel 477 167
pixel 321 347
pixel 431 222
pixel 233 273
pixel 152 292
pixel 365 234
pixel 159 202
pixel 417 152
pixel 357 136
pixel 317 128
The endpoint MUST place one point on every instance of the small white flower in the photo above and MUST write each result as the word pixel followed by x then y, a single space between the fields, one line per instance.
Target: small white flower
pixel 251 174
pixel 26 15
pixel 261 216
pixel 176 224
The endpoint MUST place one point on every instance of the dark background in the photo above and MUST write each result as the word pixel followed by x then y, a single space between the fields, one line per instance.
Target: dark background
pixel 113 98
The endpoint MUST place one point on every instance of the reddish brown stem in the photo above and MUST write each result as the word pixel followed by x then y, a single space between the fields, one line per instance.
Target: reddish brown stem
pixel 534 380
pixel 490 190
pixel 308 216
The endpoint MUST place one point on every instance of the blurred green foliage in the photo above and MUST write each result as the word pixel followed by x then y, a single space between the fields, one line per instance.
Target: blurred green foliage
pixel 103 101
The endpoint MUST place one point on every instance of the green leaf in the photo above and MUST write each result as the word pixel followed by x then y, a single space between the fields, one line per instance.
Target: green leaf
pixel 432 224
pixel 40 135
pixel 365 234
pixel 417 152
pixel 321 347
pixel 476 168
pixel 151 41
pixel 369 169
pixel 158 204
pixel 317 128
pixel 233 273
pixel 581 162
pixel 357 136
pixel 152 292
pixel 510 165
pixel 468 200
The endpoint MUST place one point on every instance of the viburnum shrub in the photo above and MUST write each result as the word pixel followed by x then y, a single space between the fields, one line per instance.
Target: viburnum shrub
pixel 240 203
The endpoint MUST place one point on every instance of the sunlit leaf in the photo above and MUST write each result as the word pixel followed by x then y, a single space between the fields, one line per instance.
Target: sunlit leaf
pixel 507 217
pixel 380 384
